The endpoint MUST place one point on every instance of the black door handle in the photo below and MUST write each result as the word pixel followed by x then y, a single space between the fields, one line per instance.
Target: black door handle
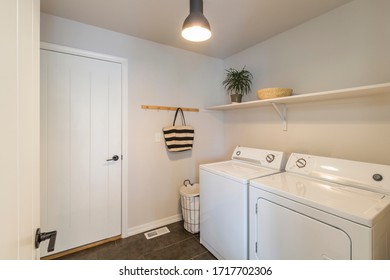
pixel 114 158
pixel 41 236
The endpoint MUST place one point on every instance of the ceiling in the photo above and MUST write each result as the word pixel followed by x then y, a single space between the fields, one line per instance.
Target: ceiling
pixel 236 24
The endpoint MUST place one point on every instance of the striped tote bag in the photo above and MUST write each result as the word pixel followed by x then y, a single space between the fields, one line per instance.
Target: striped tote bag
pixel 179 138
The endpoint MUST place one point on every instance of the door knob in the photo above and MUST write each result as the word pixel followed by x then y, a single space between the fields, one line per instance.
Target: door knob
pixel 114 158
pixel 42 236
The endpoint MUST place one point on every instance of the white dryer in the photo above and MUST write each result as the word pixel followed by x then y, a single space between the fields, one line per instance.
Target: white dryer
pixel 224 199
pixel 321 208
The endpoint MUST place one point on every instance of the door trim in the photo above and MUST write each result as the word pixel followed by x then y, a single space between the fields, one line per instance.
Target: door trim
pixel 81 248
pixel 124 65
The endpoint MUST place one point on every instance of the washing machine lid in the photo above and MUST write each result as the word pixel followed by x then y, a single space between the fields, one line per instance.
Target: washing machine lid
pixel 248 163
pixel 237 170
pixel 351 203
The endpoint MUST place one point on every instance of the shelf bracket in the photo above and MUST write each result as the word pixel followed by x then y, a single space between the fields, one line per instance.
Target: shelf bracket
pixel 282 112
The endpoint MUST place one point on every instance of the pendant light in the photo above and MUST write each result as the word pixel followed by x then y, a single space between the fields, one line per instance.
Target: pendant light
pixel 196 28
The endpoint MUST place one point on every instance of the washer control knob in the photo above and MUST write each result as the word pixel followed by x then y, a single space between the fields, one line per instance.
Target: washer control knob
pixel 238 153
pixel 301 163
pixel 377 177
pixel 270 158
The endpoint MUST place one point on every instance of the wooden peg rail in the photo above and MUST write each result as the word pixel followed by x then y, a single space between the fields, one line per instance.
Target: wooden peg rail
pixel 153 107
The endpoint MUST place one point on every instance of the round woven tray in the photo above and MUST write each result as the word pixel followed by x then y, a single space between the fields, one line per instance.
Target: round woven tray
pixel 267 93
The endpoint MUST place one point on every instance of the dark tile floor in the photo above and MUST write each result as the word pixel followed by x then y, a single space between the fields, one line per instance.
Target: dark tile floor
pixel 176 245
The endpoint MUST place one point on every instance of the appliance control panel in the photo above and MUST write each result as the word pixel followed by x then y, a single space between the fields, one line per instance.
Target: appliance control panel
pixel 370 176
pixel 267 158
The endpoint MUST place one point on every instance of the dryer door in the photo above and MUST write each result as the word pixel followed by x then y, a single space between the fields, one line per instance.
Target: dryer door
pixel 284 234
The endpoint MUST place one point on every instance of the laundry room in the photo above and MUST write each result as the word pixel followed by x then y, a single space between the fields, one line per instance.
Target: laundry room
pixel 342 51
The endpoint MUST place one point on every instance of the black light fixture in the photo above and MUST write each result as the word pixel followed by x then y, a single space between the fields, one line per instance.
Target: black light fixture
pixel 196 28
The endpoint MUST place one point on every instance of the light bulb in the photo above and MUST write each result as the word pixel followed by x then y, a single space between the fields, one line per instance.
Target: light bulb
pixel 196 33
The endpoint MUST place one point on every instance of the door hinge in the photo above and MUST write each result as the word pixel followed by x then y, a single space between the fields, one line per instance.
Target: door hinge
pixel 256 208
pixel 256 247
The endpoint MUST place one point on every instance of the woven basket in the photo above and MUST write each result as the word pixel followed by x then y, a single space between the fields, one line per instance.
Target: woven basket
pixel 267 93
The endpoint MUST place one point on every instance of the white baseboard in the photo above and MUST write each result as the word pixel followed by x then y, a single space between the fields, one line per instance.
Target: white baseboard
pixel 155 224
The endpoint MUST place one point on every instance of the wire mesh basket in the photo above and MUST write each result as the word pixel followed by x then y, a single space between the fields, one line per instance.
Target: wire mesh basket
pixel 190 206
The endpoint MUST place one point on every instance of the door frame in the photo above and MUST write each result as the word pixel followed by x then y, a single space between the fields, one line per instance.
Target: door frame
pixel 124 136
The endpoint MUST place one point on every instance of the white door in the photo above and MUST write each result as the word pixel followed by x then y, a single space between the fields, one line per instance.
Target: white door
pixel 80 149
pixel 19 128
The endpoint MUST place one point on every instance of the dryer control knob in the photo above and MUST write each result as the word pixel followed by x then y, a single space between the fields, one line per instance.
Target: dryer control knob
pixel 377 177
pixel 301 163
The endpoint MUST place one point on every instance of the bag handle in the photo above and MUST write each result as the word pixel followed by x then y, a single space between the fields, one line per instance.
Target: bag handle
pixel 183 120
pixel 187 182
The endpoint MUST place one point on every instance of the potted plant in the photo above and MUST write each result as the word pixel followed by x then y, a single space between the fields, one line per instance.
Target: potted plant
pixel 237 83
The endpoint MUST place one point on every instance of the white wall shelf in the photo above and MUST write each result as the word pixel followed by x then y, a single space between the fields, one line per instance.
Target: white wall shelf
pixel 280 104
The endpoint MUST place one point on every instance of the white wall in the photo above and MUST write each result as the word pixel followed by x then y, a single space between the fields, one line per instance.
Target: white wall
pixel 158 75
pixel 347 47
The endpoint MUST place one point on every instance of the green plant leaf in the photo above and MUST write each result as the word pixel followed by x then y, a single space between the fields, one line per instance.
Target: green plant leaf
pixel 238 81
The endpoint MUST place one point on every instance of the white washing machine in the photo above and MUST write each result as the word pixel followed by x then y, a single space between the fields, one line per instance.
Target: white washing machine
pixel 321 208
pixel 224 199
